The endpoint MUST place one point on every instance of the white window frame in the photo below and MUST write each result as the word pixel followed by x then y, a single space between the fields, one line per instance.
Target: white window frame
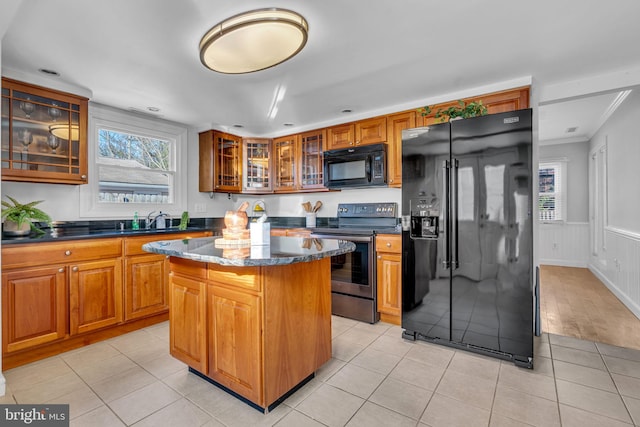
pixel 101 117
pixel 561 189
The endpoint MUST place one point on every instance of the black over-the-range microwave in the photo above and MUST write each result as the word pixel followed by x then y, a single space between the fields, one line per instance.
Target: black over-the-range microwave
pixel 361 166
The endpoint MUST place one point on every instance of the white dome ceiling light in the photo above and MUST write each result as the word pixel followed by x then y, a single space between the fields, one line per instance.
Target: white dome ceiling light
pixel 253 41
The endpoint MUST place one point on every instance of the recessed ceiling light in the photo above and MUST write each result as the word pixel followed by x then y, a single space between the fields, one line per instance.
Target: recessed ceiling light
pixel 347 110
pixel 238 126
pixel 253 41
pixel 153 109
pixel 572 129
pixel 288 124
pixel 49 72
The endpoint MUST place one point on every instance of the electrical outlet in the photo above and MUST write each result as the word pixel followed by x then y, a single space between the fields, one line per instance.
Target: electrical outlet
pixel 200 207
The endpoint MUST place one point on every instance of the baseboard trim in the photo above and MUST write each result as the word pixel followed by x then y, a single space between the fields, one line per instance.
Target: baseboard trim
pixel 633 307
pixel 564 263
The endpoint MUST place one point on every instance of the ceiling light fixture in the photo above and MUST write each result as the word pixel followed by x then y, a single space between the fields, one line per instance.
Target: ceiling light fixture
pixel 253 41
pixel 62 131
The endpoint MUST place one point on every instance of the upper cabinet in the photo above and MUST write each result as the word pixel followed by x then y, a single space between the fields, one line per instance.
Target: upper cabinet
pixel 396 123
pixel 286 157
pixel 497 102
pixel 44 134
pixel 294 163
pixel 299 162
pixel 220 162
pixel 363 132
pixel 256 169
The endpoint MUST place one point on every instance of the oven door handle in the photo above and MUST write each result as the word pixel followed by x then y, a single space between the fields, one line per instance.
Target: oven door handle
pixel 364 239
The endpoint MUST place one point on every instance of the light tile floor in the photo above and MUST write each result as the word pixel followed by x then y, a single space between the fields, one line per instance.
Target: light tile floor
pixel 374 379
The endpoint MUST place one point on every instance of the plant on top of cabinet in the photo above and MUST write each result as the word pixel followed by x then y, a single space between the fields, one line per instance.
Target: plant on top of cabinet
pixel 462 110
pixel 44 134
pixel 19 217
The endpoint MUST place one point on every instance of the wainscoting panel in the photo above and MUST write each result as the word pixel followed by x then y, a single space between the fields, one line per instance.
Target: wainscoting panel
pixel 565 244
pixel 620 270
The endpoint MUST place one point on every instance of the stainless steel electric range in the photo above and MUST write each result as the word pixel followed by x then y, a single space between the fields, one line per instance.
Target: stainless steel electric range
pixel 353 275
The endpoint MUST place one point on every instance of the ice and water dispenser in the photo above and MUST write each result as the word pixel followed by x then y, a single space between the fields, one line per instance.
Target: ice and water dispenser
pixel 425 213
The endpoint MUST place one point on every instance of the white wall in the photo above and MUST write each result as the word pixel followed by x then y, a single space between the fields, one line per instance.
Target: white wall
pixel 619 263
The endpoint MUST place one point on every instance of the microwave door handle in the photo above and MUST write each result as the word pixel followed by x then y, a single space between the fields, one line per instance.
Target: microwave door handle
pixel 367 168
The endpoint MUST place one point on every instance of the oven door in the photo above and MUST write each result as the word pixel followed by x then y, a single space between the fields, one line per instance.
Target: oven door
pixel 353 273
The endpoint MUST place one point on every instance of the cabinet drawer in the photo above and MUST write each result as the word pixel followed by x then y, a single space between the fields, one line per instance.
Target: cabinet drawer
pixel 243 277
pixel 187 267
pixel 389 243
pixel 133 245
pixel 59 252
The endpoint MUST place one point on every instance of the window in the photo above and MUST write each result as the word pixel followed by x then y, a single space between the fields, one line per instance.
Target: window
pixel 551 194
pixel 134 168
pixel 135 164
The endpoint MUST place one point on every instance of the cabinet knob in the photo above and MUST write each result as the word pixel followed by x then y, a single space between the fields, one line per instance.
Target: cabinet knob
pixel 388 244
pixel 84 177
pixel 67 253
pixel 357 142
pixel 75 268
pixel 379 256
pixel 350 143
pixel 61 270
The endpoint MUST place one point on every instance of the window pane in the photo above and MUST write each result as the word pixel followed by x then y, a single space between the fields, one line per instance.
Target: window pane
pixel 547 180
pixel 146 152
pixel 122 185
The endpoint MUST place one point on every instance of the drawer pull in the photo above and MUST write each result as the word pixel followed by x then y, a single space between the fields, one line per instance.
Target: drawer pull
pixel 388 244
pixel 75 268
pixel 61 270
pixel 379 256
pixel 67 253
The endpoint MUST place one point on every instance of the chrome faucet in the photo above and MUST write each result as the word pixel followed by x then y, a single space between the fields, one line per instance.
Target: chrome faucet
pixel 160 220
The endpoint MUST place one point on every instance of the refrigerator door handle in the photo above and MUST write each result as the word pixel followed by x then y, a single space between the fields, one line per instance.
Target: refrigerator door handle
pixel 455 262
pixel 446 263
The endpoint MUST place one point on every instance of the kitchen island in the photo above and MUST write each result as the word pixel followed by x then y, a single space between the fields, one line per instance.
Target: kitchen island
pixel 253 320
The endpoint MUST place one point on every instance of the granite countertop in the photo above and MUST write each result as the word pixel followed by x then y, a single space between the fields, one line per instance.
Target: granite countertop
pixel 81 233
pixel 280 251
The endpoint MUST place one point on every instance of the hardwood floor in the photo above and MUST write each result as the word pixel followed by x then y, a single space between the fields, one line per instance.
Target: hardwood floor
pixel 575 303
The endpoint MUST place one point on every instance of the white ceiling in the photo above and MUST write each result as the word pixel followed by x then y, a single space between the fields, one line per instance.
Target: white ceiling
pixel 365 55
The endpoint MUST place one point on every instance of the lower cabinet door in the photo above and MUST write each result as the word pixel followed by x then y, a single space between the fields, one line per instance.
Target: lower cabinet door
pixel 389 267
pixel 95 295
pixel 34 307
pixel 146 286
pixel 187 317
pixel 235 341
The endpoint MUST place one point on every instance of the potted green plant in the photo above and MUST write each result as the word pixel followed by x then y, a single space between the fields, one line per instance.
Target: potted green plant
pixel 19 217
pixel 462 110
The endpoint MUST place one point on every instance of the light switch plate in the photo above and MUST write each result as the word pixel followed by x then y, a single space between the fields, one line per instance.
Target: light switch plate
pixel 200 207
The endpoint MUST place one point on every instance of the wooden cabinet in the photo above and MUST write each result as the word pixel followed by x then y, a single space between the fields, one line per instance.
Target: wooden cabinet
pixel 389 277
pixel 299 162
pixel 73 286
pixel 44 134
pixel 187 314
pixel 256 168
pixel 395 124
pixel 146 285
pixel 220 162
pixel 34 307
pixel 363 132
pixel 311 161
pixel 95 295
pixel 497 102
pixel 146 277
pixel 286 157
pixel 235 340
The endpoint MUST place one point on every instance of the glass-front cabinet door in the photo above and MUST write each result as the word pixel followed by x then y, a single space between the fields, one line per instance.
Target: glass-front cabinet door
pixel 311 159
pixel 256 170
pixel 286 162
pixel 44 134
pixel 227 162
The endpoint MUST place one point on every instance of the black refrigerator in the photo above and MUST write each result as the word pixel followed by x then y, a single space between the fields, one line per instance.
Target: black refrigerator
pixel 467 241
